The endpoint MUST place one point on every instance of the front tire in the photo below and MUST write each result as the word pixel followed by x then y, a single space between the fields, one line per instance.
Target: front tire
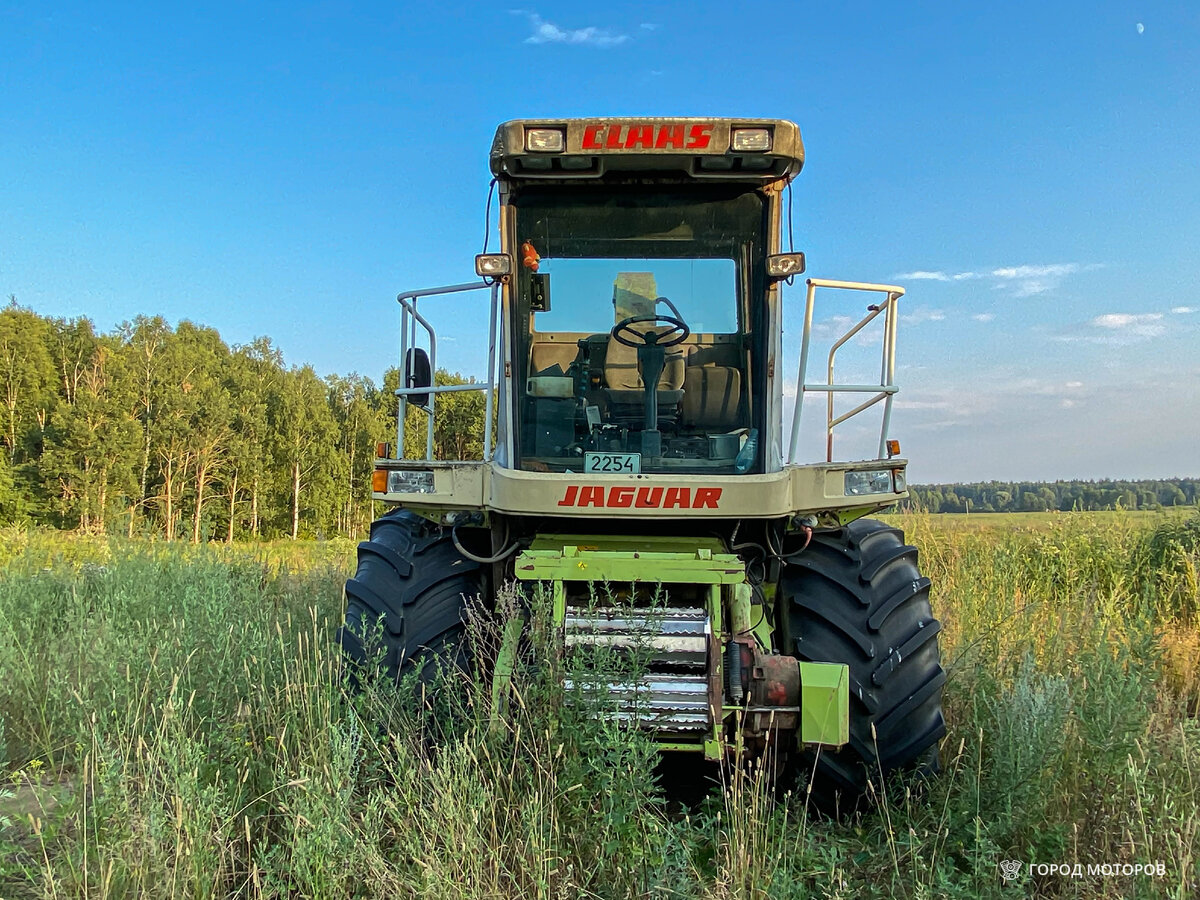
pixel 408 597
pixel 855 596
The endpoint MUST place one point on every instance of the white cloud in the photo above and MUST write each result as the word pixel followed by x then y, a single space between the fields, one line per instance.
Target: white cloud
pixel 1126 320
pixel 984 317
pixel 1032 287
pixel 920 314
pixel 1052 271
pixel 899 403
pixel 1183 310
pixel 922 275
pixel 1117 329
pixel 548 33
pixel 833 326
pixel 1022 281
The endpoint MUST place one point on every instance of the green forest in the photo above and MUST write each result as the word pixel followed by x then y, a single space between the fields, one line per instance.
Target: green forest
pixel 155 431
pixel 1036 496
pixel 159 431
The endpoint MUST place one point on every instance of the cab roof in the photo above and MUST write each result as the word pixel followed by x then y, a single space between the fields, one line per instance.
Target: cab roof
pixel 753 150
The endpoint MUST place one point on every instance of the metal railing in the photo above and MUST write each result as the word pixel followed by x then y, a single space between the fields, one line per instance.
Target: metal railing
pixel 884 391
pixel 409 320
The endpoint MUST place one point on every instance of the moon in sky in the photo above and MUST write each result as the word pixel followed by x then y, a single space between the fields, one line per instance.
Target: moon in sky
pixel 1140 27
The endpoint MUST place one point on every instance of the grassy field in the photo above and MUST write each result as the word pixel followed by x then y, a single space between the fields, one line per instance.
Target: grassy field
pixel 172 724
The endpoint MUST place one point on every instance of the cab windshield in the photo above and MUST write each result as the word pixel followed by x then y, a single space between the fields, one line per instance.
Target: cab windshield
pixel 616 287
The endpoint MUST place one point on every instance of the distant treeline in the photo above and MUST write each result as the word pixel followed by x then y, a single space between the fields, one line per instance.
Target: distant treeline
pixel 150 430
pixel 1036 496
pixel 158 431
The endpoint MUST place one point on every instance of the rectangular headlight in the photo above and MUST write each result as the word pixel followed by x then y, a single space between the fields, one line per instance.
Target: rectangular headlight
pixel 872 481
pixel 749 139
pixel 785 265
pixel 405 481
pixel 493 265
pixel 545 140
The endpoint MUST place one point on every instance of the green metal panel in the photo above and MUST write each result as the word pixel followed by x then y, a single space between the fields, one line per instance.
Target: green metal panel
pixel 506 662
pixel 558 601
pixel 739 609
pixel 629 559
pixel 763 631
pixel 824 703
pixel 716 671
pixel 680 747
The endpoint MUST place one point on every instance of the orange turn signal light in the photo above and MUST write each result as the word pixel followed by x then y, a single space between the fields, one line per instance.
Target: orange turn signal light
pixel 381 450
pixel 893 448
pixel 379 481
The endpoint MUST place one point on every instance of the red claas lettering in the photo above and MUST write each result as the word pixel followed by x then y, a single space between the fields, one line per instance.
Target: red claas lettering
pixel 645 136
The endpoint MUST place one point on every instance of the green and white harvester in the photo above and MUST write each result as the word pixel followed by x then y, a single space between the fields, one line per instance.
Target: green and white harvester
pixel 635 401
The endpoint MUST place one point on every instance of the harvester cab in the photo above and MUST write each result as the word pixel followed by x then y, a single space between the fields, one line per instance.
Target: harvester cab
pixel 635 436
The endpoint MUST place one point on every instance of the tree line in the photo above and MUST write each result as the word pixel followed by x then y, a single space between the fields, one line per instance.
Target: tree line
pixel 1031 496
pixel 160 431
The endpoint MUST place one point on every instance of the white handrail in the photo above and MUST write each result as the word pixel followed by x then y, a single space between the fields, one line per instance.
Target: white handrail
pixel 409 320
pixel 885 390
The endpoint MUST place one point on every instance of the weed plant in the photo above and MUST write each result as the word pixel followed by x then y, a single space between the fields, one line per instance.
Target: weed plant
pixel 173 722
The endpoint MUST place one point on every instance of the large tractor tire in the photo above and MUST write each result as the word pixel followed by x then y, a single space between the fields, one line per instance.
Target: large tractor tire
pixel 411 579
pixel 855 596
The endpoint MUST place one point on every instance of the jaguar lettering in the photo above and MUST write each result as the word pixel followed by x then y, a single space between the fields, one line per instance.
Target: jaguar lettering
pixel 585 495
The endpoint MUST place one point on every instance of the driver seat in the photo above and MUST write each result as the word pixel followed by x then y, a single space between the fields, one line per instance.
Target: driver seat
pixel 634 294
pixel 622 372
pixel 623 378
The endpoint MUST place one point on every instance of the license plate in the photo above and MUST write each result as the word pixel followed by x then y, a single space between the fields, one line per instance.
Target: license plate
pixel 613 463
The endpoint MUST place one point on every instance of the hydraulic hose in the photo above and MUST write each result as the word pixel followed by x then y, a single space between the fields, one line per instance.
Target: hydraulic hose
pixel 503 554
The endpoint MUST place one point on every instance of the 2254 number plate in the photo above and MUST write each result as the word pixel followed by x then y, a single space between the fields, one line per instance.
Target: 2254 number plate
pixel 613 463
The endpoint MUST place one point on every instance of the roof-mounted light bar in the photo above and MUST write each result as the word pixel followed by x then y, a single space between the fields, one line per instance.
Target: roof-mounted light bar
pixel 747 150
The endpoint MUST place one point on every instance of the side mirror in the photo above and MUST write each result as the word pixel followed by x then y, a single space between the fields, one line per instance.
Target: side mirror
pixel 417 374
pixel 785 265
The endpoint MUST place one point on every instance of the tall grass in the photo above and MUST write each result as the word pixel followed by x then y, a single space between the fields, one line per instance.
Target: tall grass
pixel 172 723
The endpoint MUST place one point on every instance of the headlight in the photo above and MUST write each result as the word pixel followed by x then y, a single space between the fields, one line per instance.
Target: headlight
pixel 872 481
pixel 751 139
pixel 785 265
pixel 404 481
pixel 545 140
pixel 493 265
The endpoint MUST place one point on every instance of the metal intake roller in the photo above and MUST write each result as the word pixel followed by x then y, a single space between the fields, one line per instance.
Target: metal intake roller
pixel 673 696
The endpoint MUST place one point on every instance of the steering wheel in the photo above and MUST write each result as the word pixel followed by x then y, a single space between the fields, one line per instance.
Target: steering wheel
pixel 650 337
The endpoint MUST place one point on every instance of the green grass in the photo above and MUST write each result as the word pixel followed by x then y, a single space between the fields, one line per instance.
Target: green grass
pixel 172 724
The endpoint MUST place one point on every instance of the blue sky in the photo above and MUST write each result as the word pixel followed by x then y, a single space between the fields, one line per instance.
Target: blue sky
pixel 1029 171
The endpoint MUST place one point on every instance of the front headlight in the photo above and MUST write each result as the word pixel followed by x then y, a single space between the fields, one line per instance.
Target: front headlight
pixel 871 481
pixel 545 140
pixel 751 139
pixel 403 481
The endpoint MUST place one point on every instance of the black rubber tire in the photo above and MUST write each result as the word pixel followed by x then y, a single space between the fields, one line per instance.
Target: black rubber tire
pixel 412 579
pixel 855 596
